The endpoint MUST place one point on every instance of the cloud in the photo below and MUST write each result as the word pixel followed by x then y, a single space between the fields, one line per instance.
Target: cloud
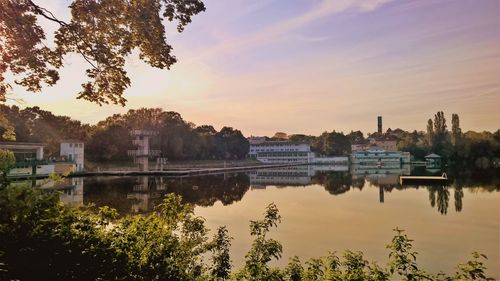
pixel 276 31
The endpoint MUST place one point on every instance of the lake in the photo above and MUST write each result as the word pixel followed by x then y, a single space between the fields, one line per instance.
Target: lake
pixel 328 208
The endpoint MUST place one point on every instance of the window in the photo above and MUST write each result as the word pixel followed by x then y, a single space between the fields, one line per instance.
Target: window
pixel 70 145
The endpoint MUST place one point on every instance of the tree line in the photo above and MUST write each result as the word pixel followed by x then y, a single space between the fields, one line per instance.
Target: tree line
pixel 455 146
pixel 178 139
pixel 109 140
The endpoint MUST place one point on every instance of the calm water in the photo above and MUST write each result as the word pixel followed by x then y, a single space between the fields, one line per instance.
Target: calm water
pixel 328 209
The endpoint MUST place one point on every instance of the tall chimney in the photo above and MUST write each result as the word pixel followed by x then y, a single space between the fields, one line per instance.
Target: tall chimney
pixel 379 119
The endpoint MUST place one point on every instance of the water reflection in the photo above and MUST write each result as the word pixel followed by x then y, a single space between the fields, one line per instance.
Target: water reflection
pixel 333 208
pixel 142 194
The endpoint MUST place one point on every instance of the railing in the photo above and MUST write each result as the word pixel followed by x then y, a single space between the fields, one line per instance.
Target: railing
pixel 141 153
pixel 138 142
pixel 144 133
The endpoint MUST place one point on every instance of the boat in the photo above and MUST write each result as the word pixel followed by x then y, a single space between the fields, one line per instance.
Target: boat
pixel 443 179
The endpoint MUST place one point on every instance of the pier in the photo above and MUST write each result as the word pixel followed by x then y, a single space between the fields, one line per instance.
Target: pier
pixel 166 173
pixel 443 179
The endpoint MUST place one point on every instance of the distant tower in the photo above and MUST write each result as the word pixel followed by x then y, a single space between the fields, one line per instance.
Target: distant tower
pixel 143 152
pixel 379 119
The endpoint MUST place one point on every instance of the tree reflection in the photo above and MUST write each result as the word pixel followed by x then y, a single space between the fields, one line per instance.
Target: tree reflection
pixel 143 194
pixel 335 183
pixel 459 194
pixel 442 200
pixel 432 196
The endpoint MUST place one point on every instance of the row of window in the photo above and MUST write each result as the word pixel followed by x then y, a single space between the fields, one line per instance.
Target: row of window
pixel 80 145
pixel 283 154
pixel 271 150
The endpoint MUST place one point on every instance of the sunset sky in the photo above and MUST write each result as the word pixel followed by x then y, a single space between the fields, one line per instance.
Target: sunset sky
pixel 304 66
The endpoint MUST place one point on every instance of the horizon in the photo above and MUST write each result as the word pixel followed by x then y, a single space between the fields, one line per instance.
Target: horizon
pixel 307 67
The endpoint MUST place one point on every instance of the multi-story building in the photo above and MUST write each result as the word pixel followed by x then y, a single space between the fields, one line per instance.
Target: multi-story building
pixel 281 152
pixel 74 150
pixel 30 161
pixel 386 143
pixel 378 156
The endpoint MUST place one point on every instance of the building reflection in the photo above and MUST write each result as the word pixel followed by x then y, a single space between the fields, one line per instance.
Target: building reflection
pixel 141 194
pixel 290 176
pixel 384 177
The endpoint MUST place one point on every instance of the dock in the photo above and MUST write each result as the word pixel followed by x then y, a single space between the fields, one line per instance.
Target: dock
pixel 166 173
pixel 409 180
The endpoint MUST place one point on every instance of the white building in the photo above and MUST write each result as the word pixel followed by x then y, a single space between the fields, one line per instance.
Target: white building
pixel 281 152
pixel 73 150
pixel 379 156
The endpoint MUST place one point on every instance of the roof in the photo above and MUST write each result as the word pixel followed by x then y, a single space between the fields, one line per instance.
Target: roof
pixel 15 143
pixel 72 141
pixel 432 155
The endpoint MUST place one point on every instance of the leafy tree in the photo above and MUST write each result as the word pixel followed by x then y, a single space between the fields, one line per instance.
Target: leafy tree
pixel 456 132
pixel 263 249
pixel 8 131
pixel 221 261
pixel 430 132
pixel 280 136
pixel 403 258
pixel 439 143
pixel 302 138
pixel 103 33
pixel 356 136
pixel 331 144
pixel 7 162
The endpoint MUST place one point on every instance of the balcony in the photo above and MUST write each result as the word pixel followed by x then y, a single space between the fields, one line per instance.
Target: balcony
pixel 141 153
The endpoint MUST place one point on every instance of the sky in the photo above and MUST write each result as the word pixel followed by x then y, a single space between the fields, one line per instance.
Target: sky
pixel 309 66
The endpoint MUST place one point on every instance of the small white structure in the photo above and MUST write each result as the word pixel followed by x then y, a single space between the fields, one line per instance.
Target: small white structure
pixel 74 150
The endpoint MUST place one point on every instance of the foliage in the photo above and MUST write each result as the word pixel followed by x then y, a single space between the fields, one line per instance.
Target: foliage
pixel 103 33
pixel 110 139
pixel 333 143
pixel 263 249
pixel 60 243
pixel 458 148
pixel 221 261
pixel 8 131
pixel 7 162
pixel 280 136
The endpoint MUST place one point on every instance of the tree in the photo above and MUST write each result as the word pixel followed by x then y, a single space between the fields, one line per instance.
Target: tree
pixel 356 136
pixel 7 162
pixel 333 143
pixel 440 132
pixel 103 33
pixel 8 131
pixel 456 132
pixel 263 249
pixel 280 136
pixel 430 132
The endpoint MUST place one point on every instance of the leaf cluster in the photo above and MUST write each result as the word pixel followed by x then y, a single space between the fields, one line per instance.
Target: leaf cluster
pixel 103 33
